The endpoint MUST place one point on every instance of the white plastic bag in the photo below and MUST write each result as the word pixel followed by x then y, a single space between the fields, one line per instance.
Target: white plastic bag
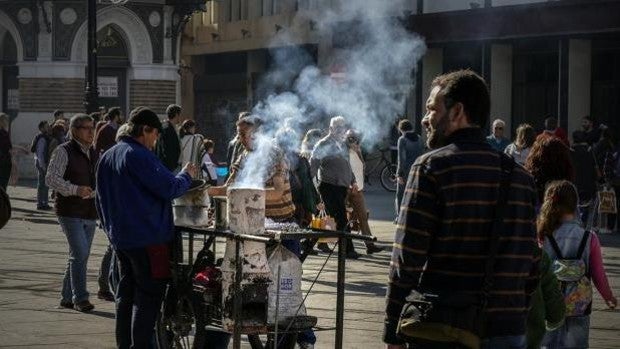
pixel 290 297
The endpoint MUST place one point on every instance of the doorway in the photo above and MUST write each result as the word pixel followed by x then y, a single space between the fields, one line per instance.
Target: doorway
pixel 9 72
pixel 113 61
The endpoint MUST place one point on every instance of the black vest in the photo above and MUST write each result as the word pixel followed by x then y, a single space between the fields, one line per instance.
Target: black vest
pixel 80 171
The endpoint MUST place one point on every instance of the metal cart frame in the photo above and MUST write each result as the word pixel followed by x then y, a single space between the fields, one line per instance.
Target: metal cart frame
pixel 271 236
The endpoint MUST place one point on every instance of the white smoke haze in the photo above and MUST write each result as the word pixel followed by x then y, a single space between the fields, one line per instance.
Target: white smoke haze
pixel 378 63
pixel 257 164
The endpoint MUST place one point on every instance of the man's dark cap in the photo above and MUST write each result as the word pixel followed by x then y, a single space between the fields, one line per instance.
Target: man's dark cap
pixel 145 116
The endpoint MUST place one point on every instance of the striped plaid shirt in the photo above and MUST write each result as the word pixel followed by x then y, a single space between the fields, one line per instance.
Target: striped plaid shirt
pixel 441 241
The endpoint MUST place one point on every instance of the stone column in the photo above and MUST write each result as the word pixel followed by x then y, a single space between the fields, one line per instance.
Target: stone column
pixel 563 83
pixel 256 63
pixel 579 82
pixel 501 85
pixel 167 40
pixel 432 65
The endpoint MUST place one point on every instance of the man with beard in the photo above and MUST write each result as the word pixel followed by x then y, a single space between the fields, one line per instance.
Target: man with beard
pixel 444 228
pixel 591 132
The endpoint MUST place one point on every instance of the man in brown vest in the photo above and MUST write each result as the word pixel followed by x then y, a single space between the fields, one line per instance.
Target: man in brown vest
pixel 71 174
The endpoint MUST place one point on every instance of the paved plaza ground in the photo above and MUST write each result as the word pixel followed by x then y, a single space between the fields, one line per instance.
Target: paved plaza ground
pixel 33 254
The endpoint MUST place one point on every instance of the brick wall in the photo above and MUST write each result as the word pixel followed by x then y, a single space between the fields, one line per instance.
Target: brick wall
pixel 46 95
pixel 155 94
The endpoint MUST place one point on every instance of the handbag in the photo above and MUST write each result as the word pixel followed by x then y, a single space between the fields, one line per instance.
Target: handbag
pixel 456 317
pixel 325 222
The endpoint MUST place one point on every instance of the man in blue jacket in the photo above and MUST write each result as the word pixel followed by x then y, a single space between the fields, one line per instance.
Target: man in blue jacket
pixel 134 194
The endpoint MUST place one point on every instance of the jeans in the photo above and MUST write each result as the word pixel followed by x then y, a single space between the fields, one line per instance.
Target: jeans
pixel 79 233
pixel 573 334
pixel 138 299
pixel 334 198
pixel 506 342
pixel 42 189
pixel 104 271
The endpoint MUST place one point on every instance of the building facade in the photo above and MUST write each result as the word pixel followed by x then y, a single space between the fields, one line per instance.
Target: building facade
pixel 541 58
pixel 43 58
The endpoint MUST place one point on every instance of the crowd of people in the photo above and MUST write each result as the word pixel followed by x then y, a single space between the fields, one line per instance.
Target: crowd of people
pixel 125 173
pixel 590 162
pixel 455 235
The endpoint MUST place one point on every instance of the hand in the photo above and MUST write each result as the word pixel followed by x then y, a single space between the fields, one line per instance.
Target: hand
pixel 355 188
pixel 612 303
pixel 191 169
pixel 84 192
pixel 395 346
pixel 400 180
pixel 320 207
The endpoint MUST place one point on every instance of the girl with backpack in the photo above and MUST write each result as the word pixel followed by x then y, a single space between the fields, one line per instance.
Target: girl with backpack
pixel 576 261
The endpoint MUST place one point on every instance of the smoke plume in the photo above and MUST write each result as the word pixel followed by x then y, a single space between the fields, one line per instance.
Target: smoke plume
pixel 377 57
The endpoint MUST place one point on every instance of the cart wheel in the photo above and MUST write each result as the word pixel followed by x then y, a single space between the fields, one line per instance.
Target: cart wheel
pixel 181 325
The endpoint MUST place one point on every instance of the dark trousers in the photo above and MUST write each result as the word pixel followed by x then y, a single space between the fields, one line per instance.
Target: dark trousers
pixel 42 189
pixel 104 271
pixel 5 173
pixel 138 299
pixel 334 197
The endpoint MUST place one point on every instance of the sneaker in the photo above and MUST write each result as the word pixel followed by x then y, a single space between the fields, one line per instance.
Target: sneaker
pixel 323 247
pixel 84 306
pixel 105 295
pixel 353 255
pixel 305 345
pixel 370 249
pixel 66 304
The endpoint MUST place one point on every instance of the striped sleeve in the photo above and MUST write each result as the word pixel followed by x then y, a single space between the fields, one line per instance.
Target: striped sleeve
pixel 56 171
pixel 418 219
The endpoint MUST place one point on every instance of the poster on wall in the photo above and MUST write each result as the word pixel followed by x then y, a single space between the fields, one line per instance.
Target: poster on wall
pixel 108 86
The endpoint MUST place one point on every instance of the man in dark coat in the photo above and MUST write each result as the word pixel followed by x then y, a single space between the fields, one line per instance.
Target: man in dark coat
pixel 105 137
pixel 168 148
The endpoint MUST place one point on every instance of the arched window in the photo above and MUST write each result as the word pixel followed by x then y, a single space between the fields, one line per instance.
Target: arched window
pixel 111 47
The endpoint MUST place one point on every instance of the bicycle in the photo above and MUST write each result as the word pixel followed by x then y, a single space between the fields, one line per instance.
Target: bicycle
pixel 384 166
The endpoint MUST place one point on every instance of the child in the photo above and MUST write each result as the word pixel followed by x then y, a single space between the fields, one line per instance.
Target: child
pixel 576 259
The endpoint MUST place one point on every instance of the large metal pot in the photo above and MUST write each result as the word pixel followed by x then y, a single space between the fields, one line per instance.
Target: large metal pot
pixel 192 209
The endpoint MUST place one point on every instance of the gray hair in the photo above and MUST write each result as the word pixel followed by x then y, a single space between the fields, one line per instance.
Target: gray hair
pixel 498 122
pixel 337 121
pixel 123 131
pixel 78 120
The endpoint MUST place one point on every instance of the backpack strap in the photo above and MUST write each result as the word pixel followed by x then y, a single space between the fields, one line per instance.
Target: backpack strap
pixel 582 244
pixel 555 247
